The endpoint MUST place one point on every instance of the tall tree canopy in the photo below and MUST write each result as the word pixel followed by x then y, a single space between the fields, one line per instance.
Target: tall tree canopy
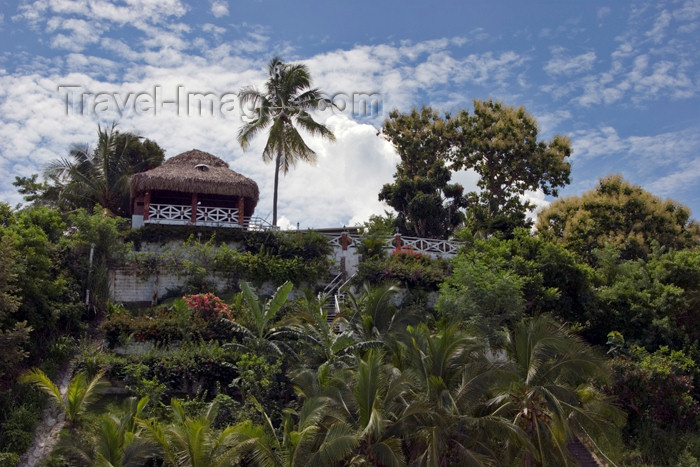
pixel 620 214
pixel 283 107
pixel 91 176
pixel 501 144
pixel 426 203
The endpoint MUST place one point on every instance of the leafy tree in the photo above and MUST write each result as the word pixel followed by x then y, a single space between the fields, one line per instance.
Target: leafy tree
pixel 79 395
pixel 426 203
pixel 501 144
pixel 621 214
pixel 49 300
pixel 13 334
pixel 652 302
pixel 656 390
pixel 98 176
pixel 495 281
pixel 283 106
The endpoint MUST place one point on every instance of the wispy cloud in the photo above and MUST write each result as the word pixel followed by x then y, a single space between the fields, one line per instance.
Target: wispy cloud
pixel 561 64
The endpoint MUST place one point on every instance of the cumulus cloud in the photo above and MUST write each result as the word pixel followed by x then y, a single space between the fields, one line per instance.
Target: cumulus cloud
pixel 122 48
pixel 219 8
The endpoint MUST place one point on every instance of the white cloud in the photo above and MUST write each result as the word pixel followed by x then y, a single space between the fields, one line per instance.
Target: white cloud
pixel 341 189
pixel 219 8
pixel 657 33
pixel 603 12
pixel 560 64
pixel 685 177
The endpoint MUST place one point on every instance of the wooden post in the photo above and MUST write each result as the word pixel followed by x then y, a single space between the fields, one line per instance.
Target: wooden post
pixel 193 215
pixel 344 241
pixel 146 205
pixel 241 211
pixel 398 244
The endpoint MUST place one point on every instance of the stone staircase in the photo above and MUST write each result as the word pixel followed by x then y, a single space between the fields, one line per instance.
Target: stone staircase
pixel 580 452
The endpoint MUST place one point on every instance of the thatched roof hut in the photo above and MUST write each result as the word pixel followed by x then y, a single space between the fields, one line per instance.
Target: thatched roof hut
pixel 198 179
pixel 196 171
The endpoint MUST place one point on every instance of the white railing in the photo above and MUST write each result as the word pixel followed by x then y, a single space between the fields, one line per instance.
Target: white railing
pixel 169 214
pixel 217 217
pixel 174 214
pixel 426 245
pixel 258 223
pixel 430 246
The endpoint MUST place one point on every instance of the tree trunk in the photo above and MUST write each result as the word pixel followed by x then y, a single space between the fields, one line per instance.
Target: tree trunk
pixel 274 196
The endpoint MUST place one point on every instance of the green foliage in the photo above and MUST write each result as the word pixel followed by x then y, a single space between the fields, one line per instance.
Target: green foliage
pixel 494 281
pixel 13 334
pixel 656 389
pixel 41 276
pixel 501 144
pixel 651 302
pixel 257 377
pixel 18 428
pixel 620 214
pixel 547 389
pixel 164 326
pixel 80 393
pixel 272 258
pixel 483 293
pixel 426 203
pixel 410 269
pixel 190 441
pixel 379 224
pixel 114 441
pixel 99 176
pixel 9 459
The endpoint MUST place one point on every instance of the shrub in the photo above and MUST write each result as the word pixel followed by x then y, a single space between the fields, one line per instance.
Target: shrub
pixel 8 459
pixel 410 268
pixel 208 306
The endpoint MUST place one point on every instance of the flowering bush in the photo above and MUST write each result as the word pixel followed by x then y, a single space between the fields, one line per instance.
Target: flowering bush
pixel 208 306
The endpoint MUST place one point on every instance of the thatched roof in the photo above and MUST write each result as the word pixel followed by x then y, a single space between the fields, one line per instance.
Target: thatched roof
pixel 195 171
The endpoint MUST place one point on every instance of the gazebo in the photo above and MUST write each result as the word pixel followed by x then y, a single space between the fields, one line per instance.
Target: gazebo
pixel 192 188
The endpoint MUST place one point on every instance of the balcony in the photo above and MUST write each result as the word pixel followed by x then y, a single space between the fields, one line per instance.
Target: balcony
pixel 207 216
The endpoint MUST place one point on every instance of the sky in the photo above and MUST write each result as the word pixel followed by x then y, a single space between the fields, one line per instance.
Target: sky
pixel 621 79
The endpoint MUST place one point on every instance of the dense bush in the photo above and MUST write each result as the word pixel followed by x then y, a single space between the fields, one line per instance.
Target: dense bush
pixel 656 389
pixel 411 269
pixel 163 326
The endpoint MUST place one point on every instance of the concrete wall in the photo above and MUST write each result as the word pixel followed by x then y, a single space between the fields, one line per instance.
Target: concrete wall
pixel 127 287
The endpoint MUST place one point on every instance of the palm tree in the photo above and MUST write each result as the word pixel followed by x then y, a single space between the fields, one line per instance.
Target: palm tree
pixel 79 395
pixel 117 441
pixel 259 334
pixel 548 390
pixel 283 106
pixel 307 437
pixel 332 342
pixel 444 419
pixel 191 441
pixel 100 176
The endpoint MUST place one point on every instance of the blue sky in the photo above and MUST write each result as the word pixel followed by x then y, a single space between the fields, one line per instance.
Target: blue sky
pixel 621 79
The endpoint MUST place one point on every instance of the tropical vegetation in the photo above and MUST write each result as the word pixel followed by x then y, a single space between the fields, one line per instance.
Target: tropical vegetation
pixel 527 347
